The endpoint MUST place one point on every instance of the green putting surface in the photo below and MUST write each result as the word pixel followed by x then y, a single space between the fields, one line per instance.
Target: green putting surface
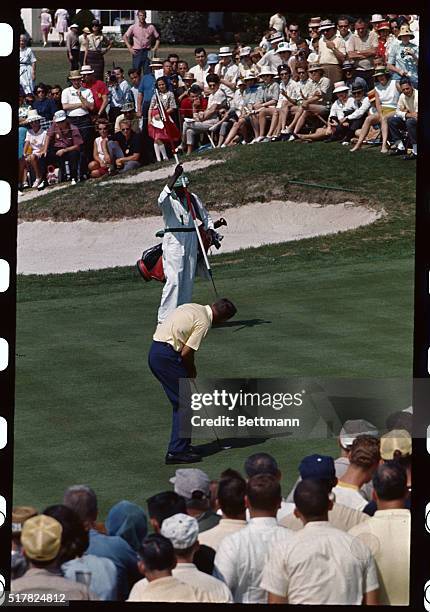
pixel 88 410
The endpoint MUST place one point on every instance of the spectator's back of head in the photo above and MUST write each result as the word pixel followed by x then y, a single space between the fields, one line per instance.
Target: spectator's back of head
pixel 231 497
pixel 165 504
pixel 157 553
pixel 319 467
pixel 311 499
pixel 261 463
pixel 83 500
pixel 128 521
pixel 365 452
pixel 390 481
pixel 74 538
pixel 400 420
pixel 263 493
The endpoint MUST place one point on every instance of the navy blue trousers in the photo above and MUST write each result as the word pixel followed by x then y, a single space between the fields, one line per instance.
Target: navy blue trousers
pixel 167 366
pixel 141 60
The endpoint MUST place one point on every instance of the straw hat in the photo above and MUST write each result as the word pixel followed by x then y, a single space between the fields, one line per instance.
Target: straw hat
pixel 74 74
pixel 384 25
pixel 405 30
pixel 86 70
pixel 33 115
pixel 267 72
pixel 156 61
pixel 340 86
pixel 327 24
pixel 225 52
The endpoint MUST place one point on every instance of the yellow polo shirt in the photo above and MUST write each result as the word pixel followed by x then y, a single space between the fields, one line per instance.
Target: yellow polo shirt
pixel 186 325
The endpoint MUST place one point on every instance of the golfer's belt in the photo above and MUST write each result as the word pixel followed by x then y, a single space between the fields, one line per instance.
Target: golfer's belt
pixel 180 229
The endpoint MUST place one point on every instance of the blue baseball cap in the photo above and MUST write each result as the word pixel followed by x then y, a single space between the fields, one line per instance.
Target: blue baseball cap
pixel 212 58
pixel 317 467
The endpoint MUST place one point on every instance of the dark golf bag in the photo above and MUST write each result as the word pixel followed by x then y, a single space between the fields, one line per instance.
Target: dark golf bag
pixel 150 265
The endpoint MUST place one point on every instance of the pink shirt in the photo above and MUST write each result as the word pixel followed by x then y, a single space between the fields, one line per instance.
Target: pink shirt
pixel 142 35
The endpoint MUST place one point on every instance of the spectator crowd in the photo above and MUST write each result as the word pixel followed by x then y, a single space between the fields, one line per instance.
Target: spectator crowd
pixel 354 82
pixel 341 536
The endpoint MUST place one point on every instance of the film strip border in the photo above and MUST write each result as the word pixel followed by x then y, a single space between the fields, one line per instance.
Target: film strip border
pixel 9 44
pixel 420 540
pixel 9 59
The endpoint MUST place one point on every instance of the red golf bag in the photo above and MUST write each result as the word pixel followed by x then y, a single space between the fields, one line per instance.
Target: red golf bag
pixel 150 265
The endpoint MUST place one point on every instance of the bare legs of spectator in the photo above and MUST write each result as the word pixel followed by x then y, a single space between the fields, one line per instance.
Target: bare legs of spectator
pixel 384 130
pixel 304 113
pixel 319 134
pixel 284 114
pixel 234 131
pixel 160 150
pixel 254 124
pixel 368 122
pixel 97 170
pixel 267 112
pixel 33 161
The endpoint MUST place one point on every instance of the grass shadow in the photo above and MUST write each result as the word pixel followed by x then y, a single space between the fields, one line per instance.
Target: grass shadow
pixel 242 324
pixel 212 448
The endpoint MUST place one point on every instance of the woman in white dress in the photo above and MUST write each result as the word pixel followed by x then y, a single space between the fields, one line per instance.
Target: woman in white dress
pixel 27 65
pixel 61 23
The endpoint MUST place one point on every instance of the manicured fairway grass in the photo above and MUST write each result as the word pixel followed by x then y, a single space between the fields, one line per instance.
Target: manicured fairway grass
pixel 88 409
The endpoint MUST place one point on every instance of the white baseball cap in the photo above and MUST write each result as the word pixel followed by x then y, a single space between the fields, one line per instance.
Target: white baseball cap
pixel 59 116
pixel 354 428
pixel 181 529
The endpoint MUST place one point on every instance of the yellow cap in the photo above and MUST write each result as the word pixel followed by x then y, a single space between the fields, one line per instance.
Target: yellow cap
pixel 41 538
pixel 396 440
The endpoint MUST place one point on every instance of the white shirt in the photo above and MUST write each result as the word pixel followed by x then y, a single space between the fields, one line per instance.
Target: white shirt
pixel 407 104
pixel 290 89
pixel 70 96
pixel 348 495
pixel 36 141
pixel 187 573
pixel 166 589
pixel 212 537
pixel 270 60
pixel 240 558
pixel 388 94
pixel 217 589
pixel 388 534
pixel 200 73
pixel 320 565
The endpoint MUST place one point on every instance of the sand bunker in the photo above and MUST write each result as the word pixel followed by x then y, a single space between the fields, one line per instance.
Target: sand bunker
pixel 46 247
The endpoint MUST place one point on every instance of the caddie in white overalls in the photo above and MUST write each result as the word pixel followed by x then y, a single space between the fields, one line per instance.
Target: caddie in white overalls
pixel 180 243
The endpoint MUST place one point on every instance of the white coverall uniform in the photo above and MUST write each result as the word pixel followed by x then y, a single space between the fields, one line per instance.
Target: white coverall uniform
pixel 179 249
